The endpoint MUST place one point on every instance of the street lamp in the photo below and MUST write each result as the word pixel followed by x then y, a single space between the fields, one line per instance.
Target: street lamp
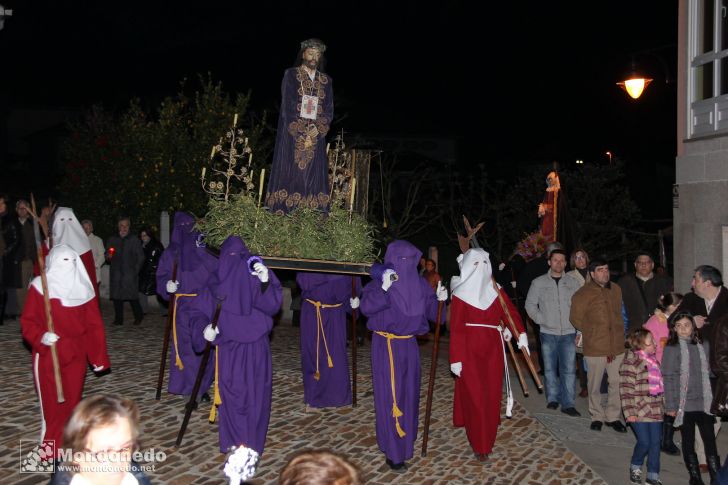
pixel 609 154
pixel 636 81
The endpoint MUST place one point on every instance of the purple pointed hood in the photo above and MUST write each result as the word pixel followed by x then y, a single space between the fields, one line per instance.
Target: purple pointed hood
pixel 233 277
pixel 406 292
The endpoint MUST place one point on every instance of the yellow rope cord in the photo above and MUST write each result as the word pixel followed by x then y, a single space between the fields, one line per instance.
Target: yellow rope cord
pixel 396 412
pixel 177 360
pixel 320 333
pixel 216 400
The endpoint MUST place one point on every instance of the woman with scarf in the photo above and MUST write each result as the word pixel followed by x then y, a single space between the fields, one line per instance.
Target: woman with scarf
pixel 641 392
pixel 688 395
pixel 398 303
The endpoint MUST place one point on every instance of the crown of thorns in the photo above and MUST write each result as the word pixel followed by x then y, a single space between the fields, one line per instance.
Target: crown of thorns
pixel 313 44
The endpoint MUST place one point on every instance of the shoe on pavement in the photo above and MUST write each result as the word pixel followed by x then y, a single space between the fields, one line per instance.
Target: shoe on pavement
pixel 616 426
pixel 552 405
pixel 596 426
pixel 653 481
pixel 400 467
pixel 571 412
pixel 635 475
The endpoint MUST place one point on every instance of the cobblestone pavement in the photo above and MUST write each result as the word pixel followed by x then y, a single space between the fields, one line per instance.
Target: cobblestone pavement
pixel 526 451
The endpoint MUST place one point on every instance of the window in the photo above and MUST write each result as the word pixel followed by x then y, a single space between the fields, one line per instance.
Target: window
pixel 708 77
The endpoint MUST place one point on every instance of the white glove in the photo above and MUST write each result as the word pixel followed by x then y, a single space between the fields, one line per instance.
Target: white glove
pixel 507 335
pixel 441 292
pixel 261 272
pixel 98 368
pixel 501 266
pixel 210 333
pixel 523 342
pixel 172 286
pixel 354 302
pixel 387 279
pixel 456 368
pixel 49 338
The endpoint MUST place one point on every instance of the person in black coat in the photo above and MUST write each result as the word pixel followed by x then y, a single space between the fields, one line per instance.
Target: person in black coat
pixel 148 273
pixel 10 275
pixel 125 256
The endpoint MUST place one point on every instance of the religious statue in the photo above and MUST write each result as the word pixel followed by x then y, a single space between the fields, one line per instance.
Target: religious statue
pixel 548 209
pixel 299 176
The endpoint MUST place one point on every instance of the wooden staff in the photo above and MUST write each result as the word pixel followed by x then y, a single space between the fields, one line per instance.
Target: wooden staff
pixel 518 369
pixel 167 331
pixel 192 403
pixel 46 300
pixel 431 385
pixel 353 345
pixel 516 334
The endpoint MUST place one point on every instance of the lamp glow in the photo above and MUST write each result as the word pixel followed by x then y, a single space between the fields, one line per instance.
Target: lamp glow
pixel 634 86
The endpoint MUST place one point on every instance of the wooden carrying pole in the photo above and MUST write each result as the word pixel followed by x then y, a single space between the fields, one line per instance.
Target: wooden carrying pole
pixel 353 345
pixel 431 385
pixel 516 334
pixel 192 403
pixel 167 331
pixel 518 369
pixel 47 302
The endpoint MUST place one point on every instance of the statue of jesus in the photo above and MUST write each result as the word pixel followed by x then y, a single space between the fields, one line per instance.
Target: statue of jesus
pixel 299 175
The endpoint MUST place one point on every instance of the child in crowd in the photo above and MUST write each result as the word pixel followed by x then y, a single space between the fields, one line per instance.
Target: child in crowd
pixel 657 325
pixel 688 393
pixel 641 392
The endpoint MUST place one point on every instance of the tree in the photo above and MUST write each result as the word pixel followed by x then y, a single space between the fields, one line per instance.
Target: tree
pixel 138 164
pixel 403 186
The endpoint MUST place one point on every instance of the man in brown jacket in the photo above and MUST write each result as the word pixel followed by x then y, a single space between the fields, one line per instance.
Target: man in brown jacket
pixel 596 310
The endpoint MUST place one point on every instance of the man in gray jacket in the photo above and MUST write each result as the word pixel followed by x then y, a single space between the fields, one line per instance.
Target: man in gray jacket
pixel 548 304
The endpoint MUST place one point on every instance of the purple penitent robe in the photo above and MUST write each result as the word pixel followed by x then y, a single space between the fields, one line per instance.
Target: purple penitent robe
pixel 195 266
pixel 243 347
pixel 299 175
pixel 330 294
pixel 403 311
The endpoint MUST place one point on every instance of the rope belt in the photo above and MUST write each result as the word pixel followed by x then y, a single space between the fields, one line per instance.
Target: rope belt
pixel 217 400
pixel 320 334
pixel 509 399
pixel 396 412
pixel 177 360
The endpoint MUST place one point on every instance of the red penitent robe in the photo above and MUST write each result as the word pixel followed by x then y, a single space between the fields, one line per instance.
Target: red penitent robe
pixel 82 341
pixel 478 390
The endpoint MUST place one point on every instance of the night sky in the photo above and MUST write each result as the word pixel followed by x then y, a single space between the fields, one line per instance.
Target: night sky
pixel 524 82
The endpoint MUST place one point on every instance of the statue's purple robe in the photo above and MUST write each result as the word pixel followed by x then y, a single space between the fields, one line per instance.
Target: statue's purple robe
pixel 245 379
pixel 299 174
pixel 404 309
pixel 194 268
pixel 333 389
